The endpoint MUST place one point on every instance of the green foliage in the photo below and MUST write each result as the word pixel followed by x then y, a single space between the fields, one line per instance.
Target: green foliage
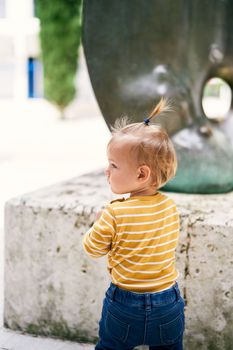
pixel 60 38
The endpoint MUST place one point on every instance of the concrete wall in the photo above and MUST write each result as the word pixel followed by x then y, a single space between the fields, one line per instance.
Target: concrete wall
pixel 52 287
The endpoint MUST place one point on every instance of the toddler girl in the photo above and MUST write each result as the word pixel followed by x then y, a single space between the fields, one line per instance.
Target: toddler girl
pixel 140 234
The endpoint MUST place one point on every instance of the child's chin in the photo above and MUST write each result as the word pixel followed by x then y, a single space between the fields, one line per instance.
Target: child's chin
pixel 115 190
pixel 118 191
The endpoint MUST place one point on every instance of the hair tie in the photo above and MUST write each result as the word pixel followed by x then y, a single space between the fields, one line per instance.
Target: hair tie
pixel 146 121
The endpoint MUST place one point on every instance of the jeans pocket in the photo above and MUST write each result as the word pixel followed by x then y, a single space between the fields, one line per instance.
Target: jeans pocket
pixel 171 332
pixel 117 328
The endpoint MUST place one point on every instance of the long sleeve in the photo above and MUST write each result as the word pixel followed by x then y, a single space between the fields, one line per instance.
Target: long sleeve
pixel 98 240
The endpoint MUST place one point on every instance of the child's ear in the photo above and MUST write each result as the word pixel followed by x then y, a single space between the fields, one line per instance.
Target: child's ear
pixel 144 173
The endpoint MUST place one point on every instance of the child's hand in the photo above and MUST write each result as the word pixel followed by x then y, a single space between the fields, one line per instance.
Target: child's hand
pixel 98 214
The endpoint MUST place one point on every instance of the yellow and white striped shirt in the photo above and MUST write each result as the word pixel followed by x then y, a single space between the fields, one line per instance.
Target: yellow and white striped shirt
pixel 140 236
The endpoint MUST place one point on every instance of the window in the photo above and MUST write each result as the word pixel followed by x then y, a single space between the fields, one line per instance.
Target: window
pixel 35 78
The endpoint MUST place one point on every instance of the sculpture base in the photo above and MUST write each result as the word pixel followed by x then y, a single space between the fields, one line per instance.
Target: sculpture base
pixel 53 288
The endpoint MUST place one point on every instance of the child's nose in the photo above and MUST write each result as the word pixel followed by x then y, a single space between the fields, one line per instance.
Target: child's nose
pixel 107 173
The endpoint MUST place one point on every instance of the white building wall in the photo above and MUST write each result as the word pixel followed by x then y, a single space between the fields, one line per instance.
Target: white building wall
pixel 19 40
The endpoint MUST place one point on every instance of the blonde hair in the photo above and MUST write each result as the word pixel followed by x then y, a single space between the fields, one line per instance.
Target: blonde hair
pixel 150 144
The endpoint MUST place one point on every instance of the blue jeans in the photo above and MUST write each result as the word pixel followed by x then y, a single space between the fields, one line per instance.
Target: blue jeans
pixel 130 319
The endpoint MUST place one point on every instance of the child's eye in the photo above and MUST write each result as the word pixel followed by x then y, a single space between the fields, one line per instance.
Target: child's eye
pixel 113 165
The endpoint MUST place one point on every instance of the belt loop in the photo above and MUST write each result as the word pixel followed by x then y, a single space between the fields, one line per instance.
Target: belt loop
pixel 177 292
pixel 112 291
pixel 148 302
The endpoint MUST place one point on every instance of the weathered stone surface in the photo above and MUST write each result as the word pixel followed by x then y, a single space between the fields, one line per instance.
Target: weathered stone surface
pixel 206 255
pixel 52 287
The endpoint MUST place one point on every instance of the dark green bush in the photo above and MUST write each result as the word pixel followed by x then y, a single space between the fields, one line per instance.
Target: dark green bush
pixel 60 38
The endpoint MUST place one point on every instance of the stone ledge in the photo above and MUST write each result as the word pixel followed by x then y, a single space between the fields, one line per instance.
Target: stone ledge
pixel 53 288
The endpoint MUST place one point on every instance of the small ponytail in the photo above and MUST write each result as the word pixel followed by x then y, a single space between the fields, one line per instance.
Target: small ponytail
pixel 161 107
pixel 150 145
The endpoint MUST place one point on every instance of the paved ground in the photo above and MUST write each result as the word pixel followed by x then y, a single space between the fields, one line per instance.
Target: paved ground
pixel 38 149
pixel 15 341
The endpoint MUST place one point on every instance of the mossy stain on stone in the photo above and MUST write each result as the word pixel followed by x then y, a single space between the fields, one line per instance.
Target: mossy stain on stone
pixel 59 330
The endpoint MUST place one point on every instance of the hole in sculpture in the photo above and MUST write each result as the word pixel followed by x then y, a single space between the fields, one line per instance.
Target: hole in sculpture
pixel 216 100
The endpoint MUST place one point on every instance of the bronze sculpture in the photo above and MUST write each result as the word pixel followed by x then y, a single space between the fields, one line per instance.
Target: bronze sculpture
pixel 138 51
